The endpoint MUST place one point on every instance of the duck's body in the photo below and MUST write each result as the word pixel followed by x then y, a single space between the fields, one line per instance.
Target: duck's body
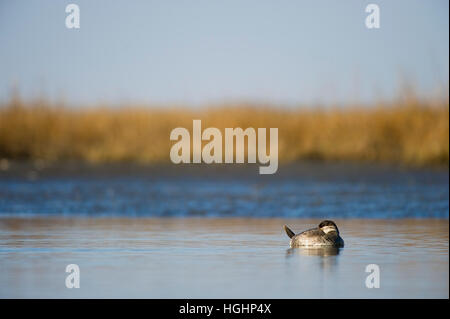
pixel 325 235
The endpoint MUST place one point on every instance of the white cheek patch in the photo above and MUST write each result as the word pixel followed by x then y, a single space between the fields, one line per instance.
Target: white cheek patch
pixel 327 229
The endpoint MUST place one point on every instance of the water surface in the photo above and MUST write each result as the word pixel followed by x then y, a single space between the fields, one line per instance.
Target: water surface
pixel 219 258
pixel 200 232
pixel 299 191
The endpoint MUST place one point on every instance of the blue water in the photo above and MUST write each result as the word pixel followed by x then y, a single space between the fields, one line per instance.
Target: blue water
pixel 219 258
pixel 368 194
pixel 222 247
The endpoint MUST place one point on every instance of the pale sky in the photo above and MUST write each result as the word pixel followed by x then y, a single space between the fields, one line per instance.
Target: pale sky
pixel 201 51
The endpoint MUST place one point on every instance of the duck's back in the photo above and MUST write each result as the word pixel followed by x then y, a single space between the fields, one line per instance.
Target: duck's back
pixel 316 237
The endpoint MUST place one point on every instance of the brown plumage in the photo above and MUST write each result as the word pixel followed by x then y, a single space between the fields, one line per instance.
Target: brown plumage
pixel 325 235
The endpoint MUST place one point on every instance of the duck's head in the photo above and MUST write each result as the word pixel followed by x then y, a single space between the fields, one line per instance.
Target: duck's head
pixel 328 226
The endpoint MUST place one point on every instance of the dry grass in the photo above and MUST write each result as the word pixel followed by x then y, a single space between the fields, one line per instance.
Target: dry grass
pixel 405 132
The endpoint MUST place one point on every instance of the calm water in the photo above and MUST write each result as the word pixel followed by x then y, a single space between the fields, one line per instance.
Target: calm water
pixel 314 191
pixel 209 234
pixel 209 258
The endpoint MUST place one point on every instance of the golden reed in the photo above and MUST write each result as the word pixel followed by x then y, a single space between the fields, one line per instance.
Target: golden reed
pixel 406 132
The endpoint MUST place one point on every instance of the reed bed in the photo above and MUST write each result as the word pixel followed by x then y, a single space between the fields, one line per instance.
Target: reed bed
pixel 402 132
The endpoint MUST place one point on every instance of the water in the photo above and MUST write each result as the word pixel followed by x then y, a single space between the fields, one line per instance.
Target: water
pixel 315 191
pixel 213 234
pixel 212 258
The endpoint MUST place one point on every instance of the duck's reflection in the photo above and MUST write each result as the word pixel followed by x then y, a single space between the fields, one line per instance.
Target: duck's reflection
pixel 324 251
pixel 327 261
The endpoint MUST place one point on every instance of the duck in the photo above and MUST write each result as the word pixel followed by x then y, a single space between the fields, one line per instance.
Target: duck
pixel 324 235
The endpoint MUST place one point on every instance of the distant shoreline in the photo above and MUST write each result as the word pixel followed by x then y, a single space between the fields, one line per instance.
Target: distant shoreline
pixel 302 170
pixel 409 133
